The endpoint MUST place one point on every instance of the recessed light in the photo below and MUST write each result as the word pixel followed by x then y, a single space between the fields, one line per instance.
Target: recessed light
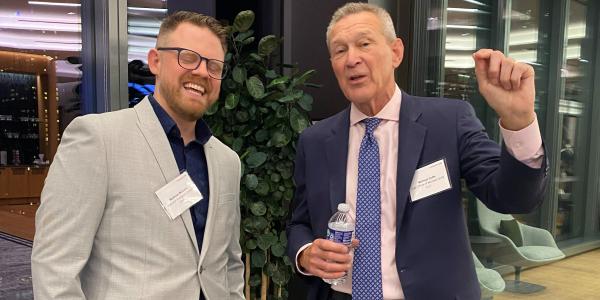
pixel 53 3
pixel 70 13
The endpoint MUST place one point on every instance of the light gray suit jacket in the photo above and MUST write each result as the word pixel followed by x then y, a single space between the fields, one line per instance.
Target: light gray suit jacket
pixel 101 232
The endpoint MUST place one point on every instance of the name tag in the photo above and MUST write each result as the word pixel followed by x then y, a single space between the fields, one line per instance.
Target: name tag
pixel 178 195
pixel 429 180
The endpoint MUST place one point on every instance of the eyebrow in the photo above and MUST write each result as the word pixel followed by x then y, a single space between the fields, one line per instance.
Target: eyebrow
pixel 359 35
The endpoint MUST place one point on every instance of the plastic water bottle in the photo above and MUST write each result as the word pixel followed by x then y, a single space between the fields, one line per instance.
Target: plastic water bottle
pixel 340 230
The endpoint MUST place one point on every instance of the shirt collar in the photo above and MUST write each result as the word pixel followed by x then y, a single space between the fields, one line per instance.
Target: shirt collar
pixel 390 112
pixel 203 133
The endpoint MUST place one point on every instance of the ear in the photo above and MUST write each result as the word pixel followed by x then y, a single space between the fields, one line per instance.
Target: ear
pixel 153 61
pixel 397 52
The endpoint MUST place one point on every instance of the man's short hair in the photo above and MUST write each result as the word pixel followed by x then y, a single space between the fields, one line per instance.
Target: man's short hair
pixel 357 7
pixel 170 23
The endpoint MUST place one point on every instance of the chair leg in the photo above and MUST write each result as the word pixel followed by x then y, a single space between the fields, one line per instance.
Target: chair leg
pixel 521 287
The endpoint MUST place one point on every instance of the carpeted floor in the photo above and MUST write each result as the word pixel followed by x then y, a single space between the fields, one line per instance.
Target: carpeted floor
pixel 15 268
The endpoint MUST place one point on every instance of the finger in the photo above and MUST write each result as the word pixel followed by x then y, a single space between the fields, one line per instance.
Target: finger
pixel 506 69
pixel 529 71
pixel 516 75
pixel 327 268
pixel 327 245
pixel 354 244
pixel 481 66
pixel 328 265
pixel 483 53
pixel 494 67
pixel 342 258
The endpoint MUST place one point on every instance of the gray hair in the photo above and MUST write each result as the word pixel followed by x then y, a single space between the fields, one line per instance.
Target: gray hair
pixel 357 7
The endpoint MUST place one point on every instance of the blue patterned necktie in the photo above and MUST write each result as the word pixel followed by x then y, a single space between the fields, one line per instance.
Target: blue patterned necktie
pixel 366 270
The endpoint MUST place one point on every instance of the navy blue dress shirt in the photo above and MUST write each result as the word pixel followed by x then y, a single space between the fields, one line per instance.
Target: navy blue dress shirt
pixel 190 158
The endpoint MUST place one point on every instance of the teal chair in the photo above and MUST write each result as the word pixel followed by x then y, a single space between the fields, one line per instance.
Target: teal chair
pixel 490 281
pixel 522 246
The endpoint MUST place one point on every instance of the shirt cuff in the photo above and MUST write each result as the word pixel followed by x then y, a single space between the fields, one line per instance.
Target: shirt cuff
pixel 525 145
pixel 297 264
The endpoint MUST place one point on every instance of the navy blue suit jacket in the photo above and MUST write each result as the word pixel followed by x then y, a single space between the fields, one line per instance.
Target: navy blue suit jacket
pixel 433 255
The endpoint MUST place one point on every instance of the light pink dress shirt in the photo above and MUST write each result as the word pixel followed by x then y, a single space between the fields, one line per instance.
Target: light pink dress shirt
pixel 525 145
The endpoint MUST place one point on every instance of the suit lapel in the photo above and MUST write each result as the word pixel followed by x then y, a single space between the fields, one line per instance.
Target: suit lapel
pixel 411 136
pixel 212 163
pixel 155 136
pixel 336 146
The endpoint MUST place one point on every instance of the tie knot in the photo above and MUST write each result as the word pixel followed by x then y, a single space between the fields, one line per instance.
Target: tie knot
pixel 370 125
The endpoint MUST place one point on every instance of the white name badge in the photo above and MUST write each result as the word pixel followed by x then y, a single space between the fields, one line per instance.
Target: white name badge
pixel 429 180
pixel 178 195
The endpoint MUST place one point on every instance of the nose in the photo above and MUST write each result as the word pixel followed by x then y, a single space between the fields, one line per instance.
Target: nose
pixel 202 69
pixel 353 57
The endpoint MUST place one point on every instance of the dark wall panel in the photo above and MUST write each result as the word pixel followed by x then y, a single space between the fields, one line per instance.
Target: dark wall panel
pixel 207 7
pixel 305 23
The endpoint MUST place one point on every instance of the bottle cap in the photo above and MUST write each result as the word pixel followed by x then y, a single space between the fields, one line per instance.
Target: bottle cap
pixel 343 207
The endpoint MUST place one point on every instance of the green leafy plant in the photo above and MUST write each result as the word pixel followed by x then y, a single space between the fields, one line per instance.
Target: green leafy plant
pixel 260 115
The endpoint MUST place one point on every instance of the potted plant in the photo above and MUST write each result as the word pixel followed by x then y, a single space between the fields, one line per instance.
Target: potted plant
pixel 260 115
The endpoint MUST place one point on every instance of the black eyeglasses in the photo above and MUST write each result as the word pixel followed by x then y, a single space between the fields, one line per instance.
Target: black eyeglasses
pixel 191 60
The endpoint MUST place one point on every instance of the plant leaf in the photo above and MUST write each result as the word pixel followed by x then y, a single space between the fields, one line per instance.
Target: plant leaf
pixel 266 240
pixel 258 258
pixel 280 80
pixel 231 101
pixel 255 87
pixel 279 139
pixel 256 159
pixel 297 120
pixel 306 102
pixel 243 20
pixel 270 74
pixel 278 250
pixel 212 109
pixel 243 35
pixel 258 209
pixel 239 74
pixel 251 181
pixel 305 76
pixel 267 45
pixel 251 244
pixel 261 135
pixel 262 189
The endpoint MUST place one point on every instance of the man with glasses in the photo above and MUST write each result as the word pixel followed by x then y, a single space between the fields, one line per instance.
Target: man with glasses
pixel 144 202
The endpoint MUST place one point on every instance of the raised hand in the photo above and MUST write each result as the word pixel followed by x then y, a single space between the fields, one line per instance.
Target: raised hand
pixel 507 86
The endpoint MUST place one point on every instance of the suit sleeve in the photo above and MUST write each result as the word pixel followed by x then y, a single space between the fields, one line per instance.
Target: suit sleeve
pixel 235 267
pixel 298 230
pixel 503 183
pixel 72 205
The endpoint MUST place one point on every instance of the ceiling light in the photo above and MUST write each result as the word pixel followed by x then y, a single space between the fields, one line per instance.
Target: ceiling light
pixel 53 3
pixel 159 10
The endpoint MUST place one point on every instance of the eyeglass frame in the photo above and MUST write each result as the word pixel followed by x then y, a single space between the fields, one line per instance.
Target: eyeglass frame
pixel 202 58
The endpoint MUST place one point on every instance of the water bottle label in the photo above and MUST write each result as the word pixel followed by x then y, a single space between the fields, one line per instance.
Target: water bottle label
pixel 338 236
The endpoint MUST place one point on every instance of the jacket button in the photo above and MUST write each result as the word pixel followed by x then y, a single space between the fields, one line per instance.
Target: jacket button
pixel 201 269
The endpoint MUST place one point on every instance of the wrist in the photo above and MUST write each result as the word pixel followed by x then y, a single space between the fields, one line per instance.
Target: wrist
pixel 302 259
pixel 517 122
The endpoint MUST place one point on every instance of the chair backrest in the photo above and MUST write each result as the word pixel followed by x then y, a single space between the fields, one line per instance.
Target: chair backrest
pixel 489 220
pixel 478 264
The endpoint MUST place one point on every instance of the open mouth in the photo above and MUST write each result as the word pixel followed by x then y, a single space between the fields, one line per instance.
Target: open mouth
pixel 194 88
pixel 357 78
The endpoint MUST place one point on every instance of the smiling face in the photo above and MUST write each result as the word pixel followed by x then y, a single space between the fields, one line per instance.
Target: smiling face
pixel 186 94
pixel 363 60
